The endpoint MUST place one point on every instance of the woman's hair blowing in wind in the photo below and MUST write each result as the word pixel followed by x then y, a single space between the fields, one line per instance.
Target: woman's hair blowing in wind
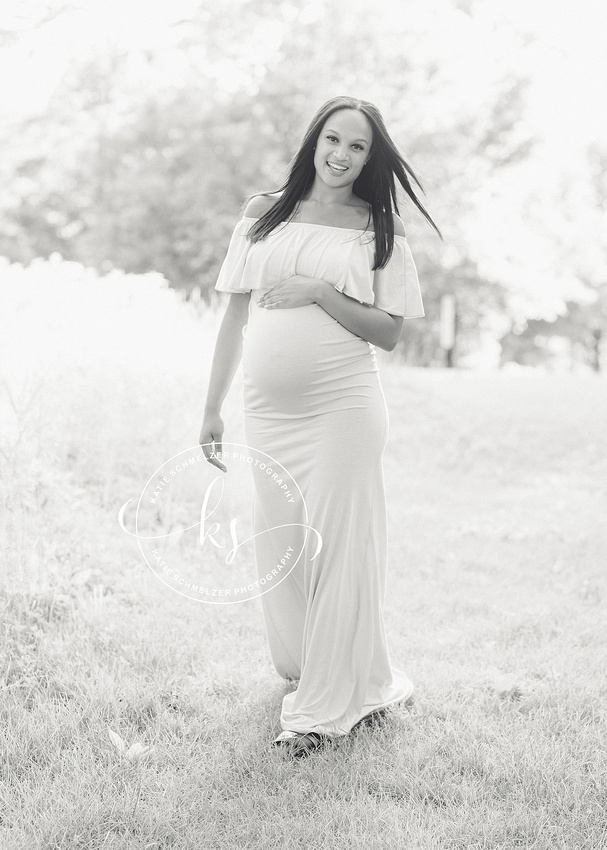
pixel 376 184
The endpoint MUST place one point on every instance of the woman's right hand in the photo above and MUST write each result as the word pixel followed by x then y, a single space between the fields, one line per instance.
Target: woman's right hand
pixel 212 432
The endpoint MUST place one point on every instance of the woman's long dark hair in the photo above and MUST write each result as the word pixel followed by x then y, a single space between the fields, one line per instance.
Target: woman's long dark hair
pixel 375 184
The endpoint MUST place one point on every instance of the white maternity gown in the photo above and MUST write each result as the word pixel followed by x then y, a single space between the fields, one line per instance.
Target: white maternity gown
pixel 314 402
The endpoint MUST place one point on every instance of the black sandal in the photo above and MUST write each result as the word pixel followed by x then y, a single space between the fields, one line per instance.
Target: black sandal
pixel 307 743
pixel 300 744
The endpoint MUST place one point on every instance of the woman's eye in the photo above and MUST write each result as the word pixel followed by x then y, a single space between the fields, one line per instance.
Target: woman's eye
pixel 360 147
pixel 332 138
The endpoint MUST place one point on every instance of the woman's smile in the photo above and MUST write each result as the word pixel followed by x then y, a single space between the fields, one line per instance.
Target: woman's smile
pixel 336 168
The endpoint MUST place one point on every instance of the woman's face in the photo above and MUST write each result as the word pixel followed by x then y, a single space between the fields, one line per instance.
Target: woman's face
pixel 342 148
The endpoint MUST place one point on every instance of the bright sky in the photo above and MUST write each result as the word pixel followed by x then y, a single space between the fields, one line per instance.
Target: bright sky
pixel 568 64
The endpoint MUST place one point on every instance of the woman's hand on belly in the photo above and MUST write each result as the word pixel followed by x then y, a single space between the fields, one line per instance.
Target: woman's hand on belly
pixel 295 291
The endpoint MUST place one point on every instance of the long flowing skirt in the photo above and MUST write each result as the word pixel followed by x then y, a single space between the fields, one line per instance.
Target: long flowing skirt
pixel 314 402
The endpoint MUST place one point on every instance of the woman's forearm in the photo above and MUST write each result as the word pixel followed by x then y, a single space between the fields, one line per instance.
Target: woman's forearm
pixel 376 326
pixel 228 351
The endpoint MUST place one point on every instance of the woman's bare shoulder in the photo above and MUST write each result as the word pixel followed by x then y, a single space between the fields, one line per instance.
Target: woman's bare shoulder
pixel 260 204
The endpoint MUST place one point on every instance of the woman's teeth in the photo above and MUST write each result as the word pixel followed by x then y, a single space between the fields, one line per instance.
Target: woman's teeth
pixel 338 169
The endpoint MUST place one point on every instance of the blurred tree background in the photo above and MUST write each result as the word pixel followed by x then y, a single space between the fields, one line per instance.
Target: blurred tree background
pixel 143 153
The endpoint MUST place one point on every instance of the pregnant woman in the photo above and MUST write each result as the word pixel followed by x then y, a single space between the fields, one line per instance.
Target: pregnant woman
pixel 321 273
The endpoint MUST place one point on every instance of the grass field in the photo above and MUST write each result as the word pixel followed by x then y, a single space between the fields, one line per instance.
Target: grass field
pixel 497 488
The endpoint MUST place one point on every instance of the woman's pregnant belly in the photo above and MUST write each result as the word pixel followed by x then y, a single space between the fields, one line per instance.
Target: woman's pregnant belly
pixel 300 361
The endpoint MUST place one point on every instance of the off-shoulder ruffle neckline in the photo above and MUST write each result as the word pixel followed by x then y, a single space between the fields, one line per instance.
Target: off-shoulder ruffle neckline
pixel 328 226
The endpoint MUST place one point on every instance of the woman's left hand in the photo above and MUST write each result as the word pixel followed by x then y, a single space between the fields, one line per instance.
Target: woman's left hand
pixel 294 291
